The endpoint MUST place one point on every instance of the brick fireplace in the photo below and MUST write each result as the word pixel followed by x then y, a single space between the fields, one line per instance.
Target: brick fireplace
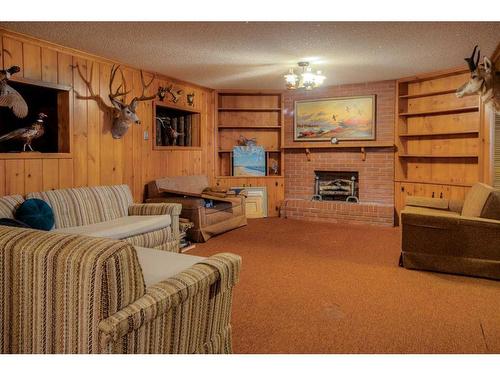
pixel 374 172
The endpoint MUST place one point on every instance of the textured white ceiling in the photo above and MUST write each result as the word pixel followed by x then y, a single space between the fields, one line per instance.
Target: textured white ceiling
pixel 255 55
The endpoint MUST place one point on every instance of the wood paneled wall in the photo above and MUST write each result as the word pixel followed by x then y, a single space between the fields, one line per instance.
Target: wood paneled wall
pixel 96 158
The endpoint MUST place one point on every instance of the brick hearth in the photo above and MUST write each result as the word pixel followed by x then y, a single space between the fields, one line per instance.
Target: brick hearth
pixel 338 212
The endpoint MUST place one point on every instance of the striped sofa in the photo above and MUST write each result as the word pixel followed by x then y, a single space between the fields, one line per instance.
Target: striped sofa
pixel 108 211
pixel 66 293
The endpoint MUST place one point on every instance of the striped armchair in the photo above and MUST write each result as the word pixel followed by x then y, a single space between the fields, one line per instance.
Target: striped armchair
pixel 66 293
pixel 108 211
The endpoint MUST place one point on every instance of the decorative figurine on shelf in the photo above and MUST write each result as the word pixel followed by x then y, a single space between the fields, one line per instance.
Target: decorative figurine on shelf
pixel 274 167
pixel 124 114
pixel 190 99
pixel 484 81
pixel 176 94
pixel 10 97
pixel 243 141
pixel 162 92
pixel 27 134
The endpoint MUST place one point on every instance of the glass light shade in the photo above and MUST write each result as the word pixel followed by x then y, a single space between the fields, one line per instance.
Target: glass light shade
pixel 319 78
pixel 291 80
pixel 308 77
pixel 308 80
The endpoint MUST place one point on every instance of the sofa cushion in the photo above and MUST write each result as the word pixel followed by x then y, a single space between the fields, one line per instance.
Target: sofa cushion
pixel 491 209
pixel 159 265
pixel 475 199
pixel 9 205
pixel 429 211
pixel 122 227
pixel 36 213
pixel 87 205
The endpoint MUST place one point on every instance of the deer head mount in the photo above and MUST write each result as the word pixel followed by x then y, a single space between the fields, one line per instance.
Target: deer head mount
pixel 124 114
pixel 484 80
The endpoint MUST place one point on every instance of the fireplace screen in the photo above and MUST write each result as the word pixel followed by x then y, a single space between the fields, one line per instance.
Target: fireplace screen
pixel 339 186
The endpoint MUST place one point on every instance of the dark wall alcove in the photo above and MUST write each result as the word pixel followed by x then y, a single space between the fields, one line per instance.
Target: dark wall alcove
pixel 51 101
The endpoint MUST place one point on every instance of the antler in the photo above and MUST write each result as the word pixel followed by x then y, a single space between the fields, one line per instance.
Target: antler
pixel 144 88
pixel 117 93
pixel 470 60
pixel 88 82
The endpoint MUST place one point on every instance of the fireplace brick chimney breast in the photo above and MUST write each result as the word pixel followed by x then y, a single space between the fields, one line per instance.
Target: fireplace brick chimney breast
pixel 376 173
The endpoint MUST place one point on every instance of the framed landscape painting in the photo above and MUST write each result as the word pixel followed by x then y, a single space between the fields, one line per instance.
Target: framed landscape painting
pixel 249 161
pixel 346 118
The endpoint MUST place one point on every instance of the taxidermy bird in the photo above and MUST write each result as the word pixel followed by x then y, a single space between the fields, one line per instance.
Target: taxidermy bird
pixel 10 97
pixel 27 134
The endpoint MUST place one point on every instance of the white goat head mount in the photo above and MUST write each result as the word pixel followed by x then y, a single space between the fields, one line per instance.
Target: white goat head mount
pixel 124 114
pixel 484 80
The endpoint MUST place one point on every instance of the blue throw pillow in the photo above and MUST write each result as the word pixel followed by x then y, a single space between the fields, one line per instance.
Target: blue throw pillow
pixel 36 213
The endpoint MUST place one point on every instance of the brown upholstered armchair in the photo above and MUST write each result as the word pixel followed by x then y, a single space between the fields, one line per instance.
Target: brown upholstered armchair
pixel 453 237
pixel 227 212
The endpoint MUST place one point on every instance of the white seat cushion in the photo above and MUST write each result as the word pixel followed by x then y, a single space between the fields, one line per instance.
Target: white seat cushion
pixel 158 265
pixel 123 227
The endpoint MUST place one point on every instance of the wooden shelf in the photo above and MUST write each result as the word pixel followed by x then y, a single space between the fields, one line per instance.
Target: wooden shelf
pixel 177 148
pixel 35 155
pixel 352 144
pixel 248 127
pixel 422 95
pixel 249 109
pixel 436 156
pixel 227 151
pixel 437 134
pixel 440 111
pixel 247 177
pixel 427 182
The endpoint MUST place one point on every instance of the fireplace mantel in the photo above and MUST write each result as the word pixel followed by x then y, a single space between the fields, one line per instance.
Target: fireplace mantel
pixel 342 145
pixel 362 146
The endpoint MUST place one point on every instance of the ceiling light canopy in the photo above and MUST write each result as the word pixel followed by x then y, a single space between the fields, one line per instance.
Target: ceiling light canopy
pixel 307 79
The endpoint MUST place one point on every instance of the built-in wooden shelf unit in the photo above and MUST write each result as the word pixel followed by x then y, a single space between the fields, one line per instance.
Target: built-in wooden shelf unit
pixel 256 115
pixel 251 115
pixel 438 137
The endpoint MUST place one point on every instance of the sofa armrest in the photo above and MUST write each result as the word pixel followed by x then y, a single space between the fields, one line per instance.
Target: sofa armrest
pixel 172 209
pixel 438 203
pixel 201 295
pixel 456 205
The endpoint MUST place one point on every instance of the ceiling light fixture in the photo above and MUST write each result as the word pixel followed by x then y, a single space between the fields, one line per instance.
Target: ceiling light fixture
pixel 307 78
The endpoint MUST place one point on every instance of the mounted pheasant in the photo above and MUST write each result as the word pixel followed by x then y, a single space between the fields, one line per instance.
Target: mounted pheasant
pixel 124 114
pixel 484 80
pixel 27 134
pixel 10 97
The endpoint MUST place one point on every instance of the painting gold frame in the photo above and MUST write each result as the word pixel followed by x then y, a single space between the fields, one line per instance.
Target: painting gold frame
pixel 360 126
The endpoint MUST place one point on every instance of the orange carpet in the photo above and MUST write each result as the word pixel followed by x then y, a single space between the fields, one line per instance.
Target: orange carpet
pixel 322 288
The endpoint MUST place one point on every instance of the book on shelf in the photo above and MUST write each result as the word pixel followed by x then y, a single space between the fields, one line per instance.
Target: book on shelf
pixel 180 129
pixel 187 131
pixel 158 131
pixel 175 125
